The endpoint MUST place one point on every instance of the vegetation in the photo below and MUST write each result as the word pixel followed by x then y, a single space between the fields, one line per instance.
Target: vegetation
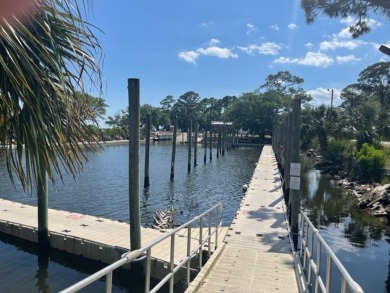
pixel 359 10
pixel 44 60
pixel 370 162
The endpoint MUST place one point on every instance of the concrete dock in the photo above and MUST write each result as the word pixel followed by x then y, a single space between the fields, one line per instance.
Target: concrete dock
pixel 257 254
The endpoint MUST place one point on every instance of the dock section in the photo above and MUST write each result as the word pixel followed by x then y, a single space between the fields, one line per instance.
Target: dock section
pixel 257 254
pixel 92 237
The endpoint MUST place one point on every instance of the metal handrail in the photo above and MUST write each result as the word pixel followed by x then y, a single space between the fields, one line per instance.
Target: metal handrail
pixel 136 254
pixel 306 252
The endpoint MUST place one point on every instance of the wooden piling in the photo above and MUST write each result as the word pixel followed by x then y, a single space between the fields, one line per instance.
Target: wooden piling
pixel 147 151
pixel 43 206
pixel 134 119
pixel 295 169
pixel 189 134
pixel 173 148
pixel 205 146
pixel 211 143
pixel 196 144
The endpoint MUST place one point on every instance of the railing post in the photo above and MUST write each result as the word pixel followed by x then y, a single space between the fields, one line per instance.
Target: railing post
pixel 109 282
pixel 200 242
pixel 328 272
pixel 172 264
pixel 188 254
pixel 209 238
pixel 148 272
pixel 318 264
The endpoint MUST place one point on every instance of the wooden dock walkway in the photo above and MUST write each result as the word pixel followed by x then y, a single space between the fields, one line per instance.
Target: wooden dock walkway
pixel 257 254
pixel 95 238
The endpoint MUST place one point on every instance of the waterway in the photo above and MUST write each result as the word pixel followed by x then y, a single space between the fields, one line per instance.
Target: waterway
pixel 102 190
pixel 359 240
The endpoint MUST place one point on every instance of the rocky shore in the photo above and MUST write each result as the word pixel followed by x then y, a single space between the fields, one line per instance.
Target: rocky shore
pixel 374 198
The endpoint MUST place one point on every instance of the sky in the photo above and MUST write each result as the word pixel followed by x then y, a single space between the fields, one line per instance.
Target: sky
pixel 218 48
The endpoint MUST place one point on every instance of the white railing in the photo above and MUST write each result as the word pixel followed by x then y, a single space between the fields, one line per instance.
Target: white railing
pixel 322 274
pixel 145 253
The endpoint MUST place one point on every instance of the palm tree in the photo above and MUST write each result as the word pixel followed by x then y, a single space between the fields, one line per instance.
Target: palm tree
pixel 46 51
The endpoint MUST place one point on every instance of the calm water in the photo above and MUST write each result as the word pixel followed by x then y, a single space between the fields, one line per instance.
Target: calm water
pixel 102 190
pixel 359 240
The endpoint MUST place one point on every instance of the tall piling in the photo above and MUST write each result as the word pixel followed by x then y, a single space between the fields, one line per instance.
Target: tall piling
pixel 205 146
pixel 189 134
pixel 173 148
pixel 134 120
pixel 147 151
pixel 196 144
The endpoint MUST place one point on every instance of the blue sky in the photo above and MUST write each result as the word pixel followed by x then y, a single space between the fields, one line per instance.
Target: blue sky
pixel 218 48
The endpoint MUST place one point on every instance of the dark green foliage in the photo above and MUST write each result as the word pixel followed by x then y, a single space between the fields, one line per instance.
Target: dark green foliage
pixel 338 150
pixel 370 162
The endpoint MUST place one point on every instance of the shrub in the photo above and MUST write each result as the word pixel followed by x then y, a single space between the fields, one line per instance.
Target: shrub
pixel 338 150
pixel 370 162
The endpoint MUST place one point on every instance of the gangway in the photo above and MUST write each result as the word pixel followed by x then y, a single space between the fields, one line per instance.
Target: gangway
pixel 209 224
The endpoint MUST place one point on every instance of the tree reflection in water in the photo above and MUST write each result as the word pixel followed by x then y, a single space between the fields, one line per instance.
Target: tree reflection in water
pixel 327 204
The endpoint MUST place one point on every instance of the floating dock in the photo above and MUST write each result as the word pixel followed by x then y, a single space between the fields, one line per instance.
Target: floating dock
pixel 92 237
pixel 257 254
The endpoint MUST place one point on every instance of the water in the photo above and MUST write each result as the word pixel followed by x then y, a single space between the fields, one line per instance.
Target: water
pixel 360 241
pixel 102 190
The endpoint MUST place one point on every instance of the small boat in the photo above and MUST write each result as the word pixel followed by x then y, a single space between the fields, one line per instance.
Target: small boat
pixel 162 137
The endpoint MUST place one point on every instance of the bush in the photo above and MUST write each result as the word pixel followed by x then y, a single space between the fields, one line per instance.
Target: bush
pixel 338 150
pixel 370 162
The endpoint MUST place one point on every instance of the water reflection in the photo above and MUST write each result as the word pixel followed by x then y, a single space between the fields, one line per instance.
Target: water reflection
pixel 102 190
pixel 359 240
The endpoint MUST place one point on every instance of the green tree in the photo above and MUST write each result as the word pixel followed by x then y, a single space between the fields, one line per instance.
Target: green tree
pixel 45 55
pixel 167 103
pixel 358 9
pixel 256 112
pixel 375 80
pixel 187 107
pixel 286 84
pixel 96 106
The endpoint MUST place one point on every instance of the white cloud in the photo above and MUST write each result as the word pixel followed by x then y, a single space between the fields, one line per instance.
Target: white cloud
pixel 223 53
pixel 335 43
pixel 251 28
pixel 211 50
pixel 324 96
pixel 309 45
pixel 214 42
pixel 311 59
pixel 347 59
pixel 344 33
pixel 267 48
pixel 292 26
pixel 189 56
pixel 275 27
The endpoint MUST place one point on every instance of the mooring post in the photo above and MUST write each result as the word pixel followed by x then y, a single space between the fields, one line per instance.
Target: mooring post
pixel 147 151
pixel 196 144
pixel 205 146
pixel 173 148
pixel 295 169
pixel 189 134
pixel 42 205
pixel 134 119
pixel 211 143
pixel 223 138
pixel 218 141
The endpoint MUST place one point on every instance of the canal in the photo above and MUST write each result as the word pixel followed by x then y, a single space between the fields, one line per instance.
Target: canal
pixel 102 190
